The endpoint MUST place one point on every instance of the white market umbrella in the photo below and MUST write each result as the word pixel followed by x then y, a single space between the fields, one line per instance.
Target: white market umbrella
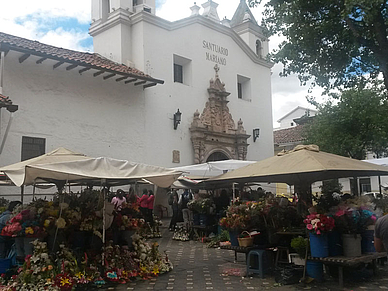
pixel 92 171
pixel 17 172
pixel 304 164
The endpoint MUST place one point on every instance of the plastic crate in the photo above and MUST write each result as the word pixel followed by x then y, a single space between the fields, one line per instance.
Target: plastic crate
pixel 234 269
pixel 296 259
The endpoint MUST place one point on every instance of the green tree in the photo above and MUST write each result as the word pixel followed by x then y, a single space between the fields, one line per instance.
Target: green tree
pixel 353 124
pixel 332 43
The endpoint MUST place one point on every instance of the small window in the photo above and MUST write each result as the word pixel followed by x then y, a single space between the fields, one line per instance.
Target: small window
pixel 32 147
pixel 243 88
pixel 239 91
pixel 147 9
pixel 292 124
pixel 182 70
pixel 178 73
pixel 105 9
pixel 258 48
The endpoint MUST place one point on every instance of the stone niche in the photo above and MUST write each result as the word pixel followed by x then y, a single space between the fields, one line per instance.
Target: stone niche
pixel 214 133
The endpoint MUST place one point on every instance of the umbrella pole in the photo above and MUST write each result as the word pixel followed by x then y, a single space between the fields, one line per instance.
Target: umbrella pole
pixel 22 194
pixel 103 225
pixel 33 192
pixel 379 177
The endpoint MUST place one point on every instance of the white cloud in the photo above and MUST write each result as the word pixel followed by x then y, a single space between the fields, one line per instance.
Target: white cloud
pixel 35 20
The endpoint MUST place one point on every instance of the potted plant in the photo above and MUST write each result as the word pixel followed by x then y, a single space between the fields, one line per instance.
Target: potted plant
pixel 299 244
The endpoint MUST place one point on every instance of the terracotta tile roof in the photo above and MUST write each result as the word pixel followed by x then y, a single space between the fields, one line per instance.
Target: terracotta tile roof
pixel 4 101
pixel 288 135
pixel 87 59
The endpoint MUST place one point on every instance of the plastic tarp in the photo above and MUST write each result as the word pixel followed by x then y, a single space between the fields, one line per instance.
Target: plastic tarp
pixel 212 169
pixel 93 171
pixel 304 164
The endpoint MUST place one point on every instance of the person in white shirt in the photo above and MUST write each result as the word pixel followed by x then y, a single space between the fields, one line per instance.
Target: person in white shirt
pixel 119 200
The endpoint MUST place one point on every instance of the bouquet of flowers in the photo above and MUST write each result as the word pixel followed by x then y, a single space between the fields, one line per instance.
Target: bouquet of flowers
pixel 354 215
pixel 201 205
pixel 243 215
pixel 319 223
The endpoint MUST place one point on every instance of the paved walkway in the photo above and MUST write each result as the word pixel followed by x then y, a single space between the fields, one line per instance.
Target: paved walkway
pixel 197 267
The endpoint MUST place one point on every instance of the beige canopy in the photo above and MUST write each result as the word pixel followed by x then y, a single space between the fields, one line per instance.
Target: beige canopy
pixel 92 171
pixel 16 172
pixel 304 164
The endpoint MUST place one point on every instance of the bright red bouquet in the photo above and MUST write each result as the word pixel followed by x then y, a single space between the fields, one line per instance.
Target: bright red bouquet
pixel 319 223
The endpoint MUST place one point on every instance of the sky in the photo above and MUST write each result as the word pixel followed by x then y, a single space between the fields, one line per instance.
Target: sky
pixel 65 24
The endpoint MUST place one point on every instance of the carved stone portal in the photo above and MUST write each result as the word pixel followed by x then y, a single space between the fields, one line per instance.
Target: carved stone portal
pixel 214 130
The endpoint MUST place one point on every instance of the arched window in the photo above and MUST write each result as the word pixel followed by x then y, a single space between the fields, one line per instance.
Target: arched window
pixel 258 48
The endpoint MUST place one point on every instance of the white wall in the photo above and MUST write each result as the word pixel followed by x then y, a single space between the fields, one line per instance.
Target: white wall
pixel 79 112
pixel 159 46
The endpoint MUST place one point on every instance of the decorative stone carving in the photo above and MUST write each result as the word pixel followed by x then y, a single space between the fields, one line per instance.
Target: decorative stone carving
pixel 214 130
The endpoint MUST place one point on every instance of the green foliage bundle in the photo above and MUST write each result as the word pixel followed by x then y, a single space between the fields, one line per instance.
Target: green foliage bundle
pixel 299 244
pixel 351 126
pixel 334 43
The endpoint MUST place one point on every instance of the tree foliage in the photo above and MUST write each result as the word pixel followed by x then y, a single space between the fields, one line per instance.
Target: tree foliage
pixel 357 123
pixel 332 43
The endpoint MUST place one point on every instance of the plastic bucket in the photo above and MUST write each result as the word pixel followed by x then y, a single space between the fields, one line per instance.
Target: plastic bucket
pixel 319 245
pixel 233 238
pixel 5 264
pixel 335 244
pixel 351 245
pixel 315 270
pixel 367 242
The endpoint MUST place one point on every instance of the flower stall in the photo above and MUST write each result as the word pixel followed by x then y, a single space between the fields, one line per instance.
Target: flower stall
pixel 71 235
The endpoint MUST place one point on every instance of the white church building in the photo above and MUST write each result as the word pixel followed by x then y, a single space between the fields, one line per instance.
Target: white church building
pixel 157 92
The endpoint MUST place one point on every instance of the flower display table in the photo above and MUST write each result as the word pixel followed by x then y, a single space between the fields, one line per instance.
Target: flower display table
pixel 244 250
pixel 342 262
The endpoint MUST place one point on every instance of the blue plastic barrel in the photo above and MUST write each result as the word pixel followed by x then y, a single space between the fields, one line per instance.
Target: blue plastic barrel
pixel 5 264
pixel 319 245
pixel 315 270
pixel 233 238
pixel 367 242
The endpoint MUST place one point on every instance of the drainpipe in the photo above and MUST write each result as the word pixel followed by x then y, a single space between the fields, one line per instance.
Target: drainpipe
pixel 2 56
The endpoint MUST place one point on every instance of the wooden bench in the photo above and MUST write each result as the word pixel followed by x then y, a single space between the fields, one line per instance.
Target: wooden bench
pixel 342 262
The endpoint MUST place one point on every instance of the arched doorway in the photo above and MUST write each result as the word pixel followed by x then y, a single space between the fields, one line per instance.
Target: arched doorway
pixel 217 156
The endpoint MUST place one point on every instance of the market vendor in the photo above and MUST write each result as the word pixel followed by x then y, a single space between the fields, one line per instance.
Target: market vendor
pixel 144 203
pixel 150 205
pixel 381 234
pixel 119 200
pixel 6 241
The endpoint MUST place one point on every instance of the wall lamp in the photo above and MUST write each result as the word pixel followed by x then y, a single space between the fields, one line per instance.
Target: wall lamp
pixel 12 108
pixel 177 118
pixel 256 134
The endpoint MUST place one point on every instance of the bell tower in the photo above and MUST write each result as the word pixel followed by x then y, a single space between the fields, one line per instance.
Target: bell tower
pixel 111 27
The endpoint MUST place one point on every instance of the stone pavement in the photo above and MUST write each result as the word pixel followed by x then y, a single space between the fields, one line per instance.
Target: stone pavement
pixel 197 267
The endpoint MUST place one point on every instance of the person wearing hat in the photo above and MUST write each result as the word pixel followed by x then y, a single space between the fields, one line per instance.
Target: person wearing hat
pixel 119 200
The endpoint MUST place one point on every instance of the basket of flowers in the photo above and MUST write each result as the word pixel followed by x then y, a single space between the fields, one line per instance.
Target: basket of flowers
pixel 245 239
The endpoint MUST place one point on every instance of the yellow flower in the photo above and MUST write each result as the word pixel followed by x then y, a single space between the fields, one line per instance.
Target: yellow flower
pixel 65 281
pixel 29 230
pixel 155 270
pixel 47 223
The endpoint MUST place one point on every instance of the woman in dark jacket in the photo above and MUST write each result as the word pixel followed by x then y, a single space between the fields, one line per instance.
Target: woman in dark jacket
pixel 175 210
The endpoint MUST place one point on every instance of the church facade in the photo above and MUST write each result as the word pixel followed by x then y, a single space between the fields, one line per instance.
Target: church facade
pixel 154 91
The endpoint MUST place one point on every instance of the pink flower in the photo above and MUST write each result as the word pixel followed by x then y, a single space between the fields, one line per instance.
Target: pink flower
pixel 309 226
pixel 318 231
pixel 373 218
pixel 340 212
